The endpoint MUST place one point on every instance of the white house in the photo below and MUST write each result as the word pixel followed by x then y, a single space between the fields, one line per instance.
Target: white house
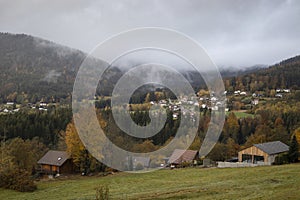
pixel 237 92
pixel 213 99
pixel 255 102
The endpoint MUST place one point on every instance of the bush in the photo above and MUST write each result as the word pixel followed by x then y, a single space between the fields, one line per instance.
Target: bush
pixel 281 159
pixel 185 164
pixel 17 179
pixel 139 166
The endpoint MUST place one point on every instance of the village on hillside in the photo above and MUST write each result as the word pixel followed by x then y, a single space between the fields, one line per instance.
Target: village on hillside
pixel 259 154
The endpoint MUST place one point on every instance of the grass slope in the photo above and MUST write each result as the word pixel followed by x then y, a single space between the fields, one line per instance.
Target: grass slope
pixel 274 182
pixel 239 114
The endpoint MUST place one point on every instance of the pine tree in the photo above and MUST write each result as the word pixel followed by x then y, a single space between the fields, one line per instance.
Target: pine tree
pixel 294 150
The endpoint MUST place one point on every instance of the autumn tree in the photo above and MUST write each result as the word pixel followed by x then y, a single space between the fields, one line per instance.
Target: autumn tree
pixel 73 142
pixel 255 139
pixel 264 131
pixel 231 148
pixel 297 134
pixel 279 131
pixel 18 159
pixel 196 144
pixel 218 153
pixel 24 154
pixel 144 147
pixel 81 157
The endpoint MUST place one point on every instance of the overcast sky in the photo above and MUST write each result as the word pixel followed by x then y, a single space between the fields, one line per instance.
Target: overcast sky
pixel 234 33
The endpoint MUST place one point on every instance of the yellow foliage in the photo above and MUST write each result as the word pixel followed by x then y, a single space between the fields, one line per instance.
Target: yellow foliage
pixel 73 142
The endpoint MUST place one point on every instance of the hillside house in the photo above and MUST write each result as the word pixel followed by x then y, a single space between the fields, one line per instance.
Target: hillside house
pixel 255 102
pixel 56 162
pixel 262 153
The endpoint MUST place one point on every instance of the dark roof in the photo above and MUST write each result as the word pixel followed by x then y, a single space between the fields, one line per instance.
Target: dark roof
pixel 272 147
pixel 56 158
pixel 178 156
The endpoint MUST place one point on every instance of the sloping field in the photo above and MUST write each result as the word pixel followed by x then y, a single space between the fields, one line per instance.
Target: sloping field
pixel 269 182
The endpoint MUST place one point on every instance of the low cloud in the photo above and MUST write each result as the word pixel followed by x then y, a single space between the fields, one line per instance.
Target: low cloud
pixel 234 32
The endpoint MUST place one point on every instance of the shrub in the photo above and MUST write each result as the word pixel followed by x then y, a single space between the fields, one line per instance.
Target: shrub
pixel 154 164
pixel 17 179
pixel 185 164
pixel 281 159
pixel 139 166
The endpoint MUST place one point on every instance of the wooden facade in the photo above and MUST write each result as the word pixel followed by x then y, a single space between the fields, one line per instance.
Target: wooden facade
pixel 252 152
pixel 56 162
pixel 67 168
pixel 263 153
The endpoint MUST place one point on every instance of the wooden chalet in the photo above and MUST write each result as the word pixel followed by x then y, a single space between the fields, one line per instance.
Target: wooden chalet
pixel 56 162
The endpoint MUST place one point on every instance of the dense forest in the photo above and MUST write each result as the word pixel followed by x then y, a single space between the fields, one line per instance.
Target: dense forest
pixel 28 124
pixel 282 75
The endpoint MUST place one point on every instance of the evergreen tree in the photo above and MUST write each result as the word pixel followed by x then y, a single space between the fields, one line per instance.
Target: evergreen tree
pixel 294 150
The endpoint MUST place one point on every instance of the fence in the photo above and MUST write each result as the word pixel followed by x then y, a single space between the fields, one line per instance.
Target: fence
pixel 240 164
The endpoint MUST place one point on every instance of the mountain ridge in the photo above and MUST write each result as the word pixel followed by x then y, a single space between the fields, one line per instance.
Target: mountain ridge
pixel 35 69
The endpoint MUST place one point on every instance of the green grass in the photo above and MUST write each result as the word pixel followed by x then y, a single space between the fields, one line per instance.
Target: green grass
pixel 241 114
pixel 272 182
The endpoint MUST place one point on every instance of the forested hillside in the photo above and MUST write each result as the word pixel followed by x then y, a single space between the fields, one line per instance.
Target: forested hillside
pixel 34 68
pixel 282 75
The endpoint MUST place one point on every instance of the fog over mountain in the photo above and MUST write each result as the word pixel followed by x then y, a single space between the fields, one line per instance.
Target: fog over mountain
pixel 234 33
pixel 40 68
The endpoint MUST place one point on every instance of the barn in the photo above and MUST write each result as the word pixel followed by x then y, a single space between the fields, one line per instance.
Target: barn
pixel 262 153
pixel 56 162
pixel 180 156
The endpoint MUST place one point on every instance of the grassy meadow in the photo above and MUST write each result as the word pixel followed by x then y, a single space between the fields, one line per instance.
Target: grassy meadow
pixel 269 182
pixel 240 114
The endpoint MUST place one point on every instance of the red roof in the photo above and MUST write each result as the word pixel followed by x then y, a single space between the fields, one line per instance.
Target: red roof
pixel 179 155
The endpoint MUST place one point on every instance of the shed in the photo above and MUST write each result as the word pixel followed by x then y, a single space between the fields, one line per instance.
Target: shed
pixel 264 152
pixel 56 162
pixel 180 156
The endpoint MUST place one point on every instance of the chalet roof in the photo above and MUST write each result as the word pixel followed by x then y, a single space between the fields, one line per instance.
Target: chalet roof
pixel 56 158
pixel 272 147
pixel 178 156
